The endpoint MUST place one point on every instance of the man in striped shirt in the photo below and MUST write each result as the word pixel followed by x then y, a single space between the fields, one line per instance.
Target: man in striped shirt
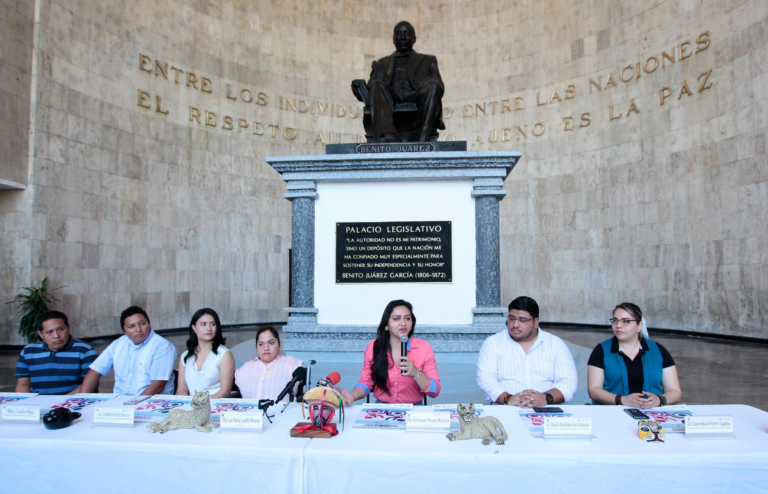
pixel 57 364
pixel 524 365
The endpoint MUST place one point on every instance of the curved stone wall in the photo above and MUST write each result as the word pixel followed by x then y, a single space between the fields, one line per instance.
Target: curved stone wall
pixel 642 128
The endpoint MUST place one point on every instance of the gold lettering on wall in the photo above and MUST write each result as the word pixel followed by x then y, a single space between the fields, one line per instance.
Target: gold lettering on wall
pixel 160 107
pixel 162 68
pixel 703 39
pixel 665 93
pixel 684 90
pixel 143 61
pixel 194 114
pixel 143 95
pixel 627 73
pixel 632 108
pixel 681 55
pixel 655 66
pixel 704 85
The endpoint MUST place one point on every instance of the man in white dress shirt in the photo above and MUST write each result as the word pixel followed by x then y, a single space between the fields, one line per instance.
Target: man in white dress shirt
pixel 143 360
pixel 524 365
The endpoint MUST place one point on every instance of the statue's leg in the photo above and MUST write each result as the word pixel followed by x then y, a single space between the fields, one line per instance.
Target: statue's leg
pixel 381 110
pixel 429 101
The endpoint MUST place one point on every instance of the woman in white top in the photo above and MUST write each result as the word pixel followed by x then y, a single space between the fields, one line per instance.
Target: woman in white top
pixel 267 375
pixel 207 365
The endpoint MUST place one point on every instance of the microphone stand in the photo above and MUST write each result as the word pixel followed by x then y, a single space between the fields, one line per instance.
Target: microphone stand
pixel 264 406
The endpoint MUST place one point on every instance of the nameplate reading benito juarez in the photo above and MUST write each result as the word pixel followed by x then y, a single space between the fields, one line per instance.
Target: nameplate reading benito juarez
pixel 394 252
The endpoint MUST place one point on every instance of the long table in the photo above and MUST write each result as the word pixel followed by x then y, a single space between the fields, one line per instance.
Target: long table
pixel 82 459
pixel 380 461
pixel 79 458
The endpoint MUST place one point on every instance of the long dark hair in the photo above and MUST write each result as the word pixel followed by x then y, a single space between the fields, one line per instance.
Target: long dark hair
pixel 381 359
pixel 218 338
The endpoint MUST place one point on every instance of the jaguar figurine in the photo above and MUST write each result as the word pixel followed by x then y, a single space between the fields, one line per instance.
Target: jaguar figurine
pixel 197 418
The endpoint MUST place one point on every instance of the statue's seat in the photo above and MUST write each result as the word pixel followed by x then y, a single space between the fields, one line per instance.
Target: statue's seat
pixel 403 114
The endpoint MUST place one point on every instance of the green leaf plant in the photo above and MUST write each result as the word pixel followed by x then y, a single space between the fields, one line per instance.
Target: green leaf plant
pixel 31 306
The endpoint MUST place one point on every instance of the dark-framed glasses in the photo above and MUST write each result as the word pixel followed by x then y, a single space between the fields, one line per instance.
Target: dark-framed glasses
pixel 624 322
pixel 521 320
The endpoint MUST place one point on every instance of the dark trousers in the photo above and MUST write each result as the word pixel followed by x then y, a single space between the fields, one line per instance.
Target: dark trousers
pixel 383 100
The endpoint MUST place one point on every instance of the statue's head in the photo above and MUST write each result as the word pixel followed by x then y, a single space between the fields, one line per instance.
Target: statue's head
pixel 404 36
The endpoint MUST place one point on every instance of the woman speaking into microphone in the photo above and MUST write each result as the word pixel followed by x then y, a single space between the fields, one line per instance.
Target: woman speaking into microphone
pixel 392 376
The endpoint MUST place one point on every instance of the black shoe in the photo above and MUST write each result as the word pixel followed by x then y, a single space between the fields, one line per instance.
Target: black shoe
pixel 390 138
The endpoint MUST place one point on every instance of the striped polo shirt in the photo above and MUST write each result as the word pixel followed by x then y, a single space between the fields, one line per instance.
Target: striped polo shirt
pixel 55 372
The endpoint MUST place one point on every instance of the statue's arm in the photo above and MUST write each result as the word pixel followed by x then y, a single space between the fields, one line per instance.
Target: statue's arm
pixel 375 74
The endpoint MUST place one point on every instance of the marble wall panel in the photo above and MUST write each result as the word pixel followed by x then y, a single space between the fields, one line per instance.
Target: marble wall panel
pixel 135 202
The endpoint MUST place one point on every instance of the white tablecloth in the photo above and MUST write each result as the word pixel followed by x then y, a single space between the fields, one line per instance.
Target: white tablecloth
pixel 82 459
pixel 381 461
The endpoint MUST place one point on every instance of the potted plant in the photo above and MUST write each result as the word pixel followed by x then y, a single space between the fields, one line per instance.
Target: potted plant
pixel 33 304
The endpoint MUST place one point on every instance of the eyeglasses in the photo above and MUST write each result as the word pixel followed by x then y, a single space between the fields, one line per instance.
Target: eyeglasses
pixel 615 321
pixel 522 320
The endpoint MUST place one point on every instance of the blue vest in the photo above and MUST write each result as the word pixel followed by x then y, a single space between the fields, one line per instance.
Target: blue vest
pixel 616 380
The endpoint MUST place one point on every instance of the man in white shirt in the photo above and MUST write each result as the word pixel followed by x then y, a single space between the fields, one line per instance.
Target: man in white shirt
pixel 524 365
pixel 143 360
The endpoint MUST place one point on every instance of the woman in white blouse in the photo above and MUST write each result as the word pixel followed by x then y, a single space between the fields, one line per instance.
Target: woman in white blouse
pixel 207 365
pixel 264 377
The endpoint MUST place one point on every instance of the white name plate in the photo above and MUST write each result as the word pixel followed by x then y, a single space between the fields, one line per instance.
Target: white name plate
pixel 712 426
pixel 113 417
pixel 390 406
pixel 427 421
pixel 568 427
pixel 241 422
pixel 171 397
pixel 436 408
pixel 21 414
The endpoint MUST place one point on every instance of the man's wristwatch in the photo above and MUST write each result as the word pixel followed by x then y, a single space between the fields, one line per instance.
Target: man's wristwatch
pixel 506 398
pixel 550 398
pixel 418 376
pixel 662 401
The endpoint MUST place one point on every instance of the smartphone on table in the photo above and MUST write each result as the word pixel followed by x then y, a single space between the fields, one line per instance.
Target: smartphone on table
pixel 636 414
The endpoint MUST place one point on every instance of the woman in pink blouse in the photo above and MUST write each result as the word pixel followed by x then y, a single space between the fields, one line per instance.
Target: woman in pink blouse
pixel 382 376
pixel 267 375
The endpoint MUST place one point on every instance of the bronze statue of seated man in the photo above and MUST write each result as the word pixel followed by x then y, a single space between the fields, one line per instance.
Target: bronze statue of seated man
pixel 396 80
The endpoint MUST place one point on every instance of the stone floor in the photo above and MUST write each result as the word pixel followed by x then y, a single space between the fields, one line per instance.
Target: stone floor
pixel 711 371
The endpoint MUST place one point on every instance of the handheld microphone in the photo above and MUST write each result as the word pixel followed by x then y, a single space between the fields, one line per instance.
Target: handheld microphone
pixel 403 349
pixel 300 374
pixel 332 379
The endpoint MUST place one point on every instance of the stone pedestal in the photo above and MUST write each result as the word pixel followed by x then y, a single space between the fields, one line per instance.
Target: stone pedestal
pixel 485 171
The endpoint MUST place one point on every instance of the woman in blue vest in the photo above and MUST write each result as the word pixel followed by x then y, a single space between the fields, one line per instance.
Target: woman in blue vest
pixel 629 369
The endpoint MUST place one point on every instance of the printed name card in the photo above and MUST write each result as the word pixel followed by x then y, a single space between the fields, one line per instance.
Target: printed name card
pixel 388 406
pixel 427 421
pixel 709 426
pixel 21 414
pixel 568 427
pixel 241 422
pixel 113 417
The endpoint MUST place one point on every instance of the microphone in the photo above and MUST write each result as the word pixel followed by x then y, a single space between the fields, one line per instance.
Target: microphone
pixel 332 379
pixel 300 374
pixel 403 349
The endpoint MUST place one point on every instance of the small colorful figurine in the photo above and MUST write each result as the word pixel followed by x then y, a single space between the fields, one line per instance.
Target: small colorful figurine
pixel 650 431
pixel 322 402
